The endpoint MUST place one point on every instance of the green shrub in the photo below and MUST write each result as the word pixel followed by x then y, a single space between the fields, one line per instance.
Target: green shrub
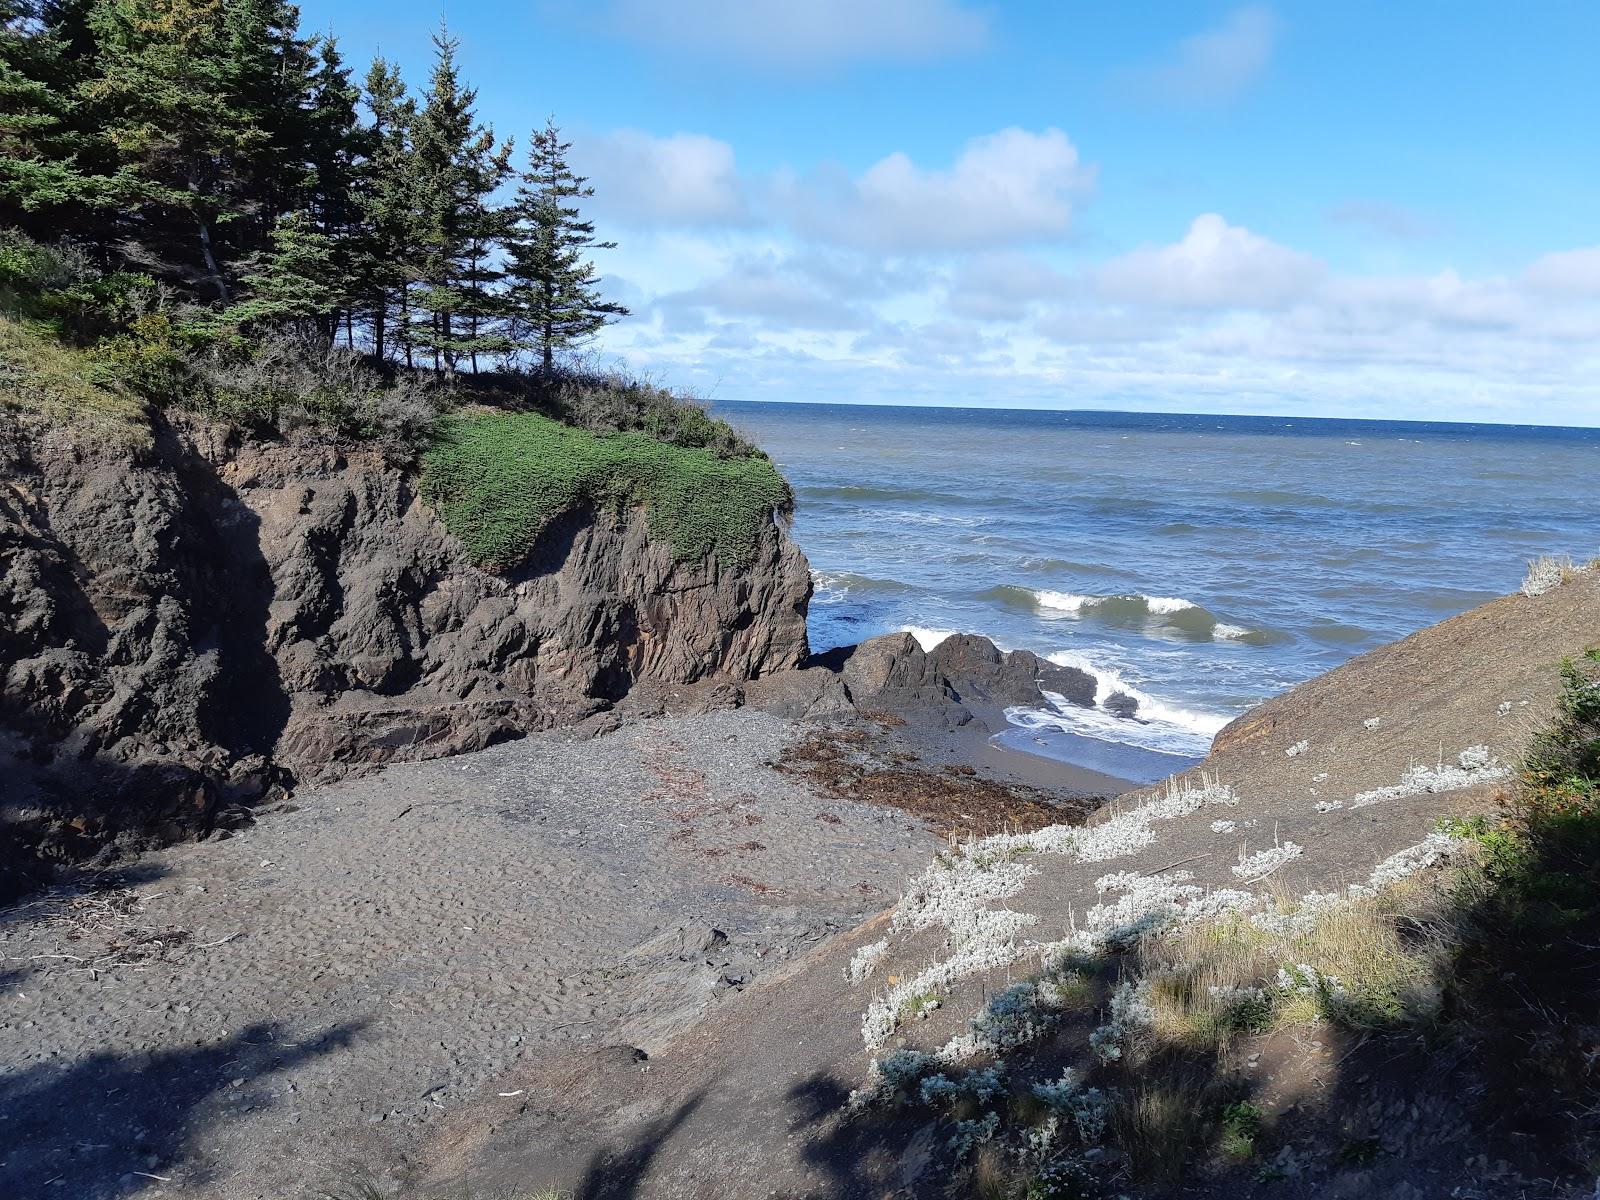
pixel 498 479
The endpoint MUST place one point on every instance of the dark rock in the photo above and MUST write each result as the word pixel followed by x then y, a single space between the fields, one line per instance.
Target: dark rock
pixel 893 674
pixel 978 670
pixel 809 692
pixel 1120 704
pixel 246 613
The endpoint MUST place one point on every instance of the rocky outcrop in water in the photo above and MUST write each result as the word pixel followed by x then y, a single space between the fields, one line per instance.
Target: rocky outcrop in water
pixel 186 625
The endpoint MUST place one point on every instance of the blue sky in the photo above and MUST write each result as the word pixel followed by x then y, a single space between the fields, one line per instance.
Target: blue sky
pixel 1359 209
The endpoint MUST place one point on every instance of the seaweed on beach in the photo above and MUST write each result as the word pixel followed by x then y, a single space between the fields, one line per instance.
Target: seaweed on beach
pixel 956 800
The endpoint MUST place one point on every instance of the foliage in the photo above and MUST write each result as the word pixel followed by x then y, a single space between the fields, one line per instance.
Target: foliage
pixel 39 373
pixel 498 480
pixel 216 148
pixel 553 286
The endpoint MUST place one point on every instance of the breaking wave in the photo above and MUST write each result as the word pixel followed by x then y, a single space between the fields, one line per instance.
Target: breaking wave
pixel 1130 609
pixel 1157 725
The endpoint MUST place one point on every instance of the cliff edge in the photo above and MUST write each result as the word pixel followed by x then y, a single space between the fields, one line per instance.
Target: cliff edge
pixel 189 623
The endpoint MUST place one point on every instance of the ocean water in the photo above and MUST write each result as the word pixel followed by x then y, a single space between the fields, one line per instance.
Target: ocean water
pixel 1201 564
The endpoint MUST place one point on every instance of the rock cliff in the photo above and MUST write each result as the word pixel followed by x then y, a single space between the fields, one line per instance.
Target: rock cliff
pixel 189 624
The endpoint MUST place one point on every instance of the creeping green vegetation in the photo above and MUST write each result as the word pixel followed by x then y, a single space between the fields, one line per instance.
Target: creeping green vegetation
pixel 498 480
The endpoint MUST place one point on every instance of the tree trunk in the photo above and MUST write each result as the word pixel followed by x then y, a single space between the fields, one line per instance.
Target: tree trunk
pixel 212 268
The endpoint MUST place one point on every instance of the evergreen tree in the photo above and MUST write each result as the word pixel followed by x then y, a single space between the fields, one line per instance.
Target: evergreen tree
pixel 296 282
pixel 46 155
pixel 458 169
pixel 206 104
pixel 553 292
pixel 386 200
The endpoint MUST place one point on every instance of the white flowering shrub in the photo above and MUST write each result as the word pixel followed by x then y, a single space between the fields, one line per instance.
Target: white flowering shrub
pixel 866 960
pixel 1130 1010
pixel 969 1135
pixel 1547 573
pixel 1264 862
pixel 1223 826
pixel 1298 748
pixel 1372 723
pixel 1474 765
pixel 941 1090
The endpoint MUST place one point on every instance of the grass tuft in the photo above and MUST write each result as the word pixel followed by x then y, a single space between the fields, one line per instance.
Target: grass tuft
pixel 40 373
pixel 498 479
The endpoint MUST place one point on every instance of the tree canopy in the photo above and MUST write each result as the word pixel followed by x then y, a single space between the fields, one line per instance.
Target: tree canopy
pixel 214 147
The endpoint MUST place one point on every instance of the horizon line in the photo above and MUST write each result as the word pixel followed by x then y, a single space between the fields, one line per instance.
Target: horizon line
pixel 1137 412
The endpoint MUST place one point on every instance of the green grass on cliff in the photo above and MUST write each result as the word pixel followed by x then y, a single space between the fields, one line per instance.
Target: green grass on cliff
pixel 41 374
pixel 498 479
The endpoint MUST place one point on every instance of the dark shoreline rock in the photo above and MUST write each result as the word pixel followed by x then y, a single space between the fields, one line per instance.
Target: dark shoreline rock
pixel 197 623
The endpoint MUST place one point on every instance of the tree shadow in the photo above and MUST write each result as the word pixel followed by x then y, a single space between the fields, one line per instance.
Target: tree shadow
pixel 620 1173
pixel 101 1127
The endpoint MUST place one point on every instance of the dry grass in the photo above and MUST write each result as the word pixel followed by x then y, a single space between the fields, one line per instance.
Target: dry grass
pixel 40 374
pixel 1160 1121
pixel 1374 963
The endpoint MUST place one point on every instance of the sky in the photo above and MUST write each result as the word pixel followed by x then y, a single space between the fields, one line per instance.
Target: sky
pixel 1362 209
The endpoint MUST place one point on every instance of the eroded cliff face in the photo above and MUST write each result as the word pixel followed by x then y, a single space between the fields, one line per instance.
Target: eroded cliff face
pixel 188 625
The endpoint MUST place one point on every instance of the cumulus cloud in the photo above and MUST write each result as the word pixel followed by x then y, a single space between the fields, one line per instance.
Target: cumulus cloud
pixel 1010 187
pixel 1568 272
pixel 803 33
pixel 1002 286
pixel 1215 265
pixel 787 292
pixel 1214 66
pixel 686 179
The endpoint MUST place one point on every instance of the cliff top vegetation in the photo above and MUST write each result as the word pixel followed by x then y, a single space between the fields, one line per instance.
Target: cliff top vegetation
pixel 203 210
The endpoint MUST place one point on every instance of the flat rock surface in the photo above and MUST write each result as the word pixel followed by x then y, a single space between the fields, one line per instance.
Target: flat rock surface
pixel 247 1016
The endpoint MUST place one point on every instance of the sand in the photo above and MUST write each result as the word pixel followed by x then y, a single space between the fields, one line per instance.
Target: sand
pixel 246 1017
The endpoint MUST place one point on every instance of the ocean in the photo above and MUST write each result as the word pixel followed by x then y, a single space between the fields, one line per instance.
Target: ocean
pixel 1200 564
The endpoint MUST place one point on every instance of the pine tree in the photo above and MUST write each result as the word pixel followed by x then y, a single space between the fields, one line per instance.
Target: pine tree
pixel 47 156
pixel 206 103
pixel 458 169
pixel 386 200
pixel 553 292
pixel 297 282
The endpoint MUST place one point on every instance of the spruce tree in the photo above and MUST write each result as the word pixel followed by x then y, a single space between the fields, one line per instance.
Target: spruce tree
pixel 386 197
pixel 297 282
pixel 458 169
pixel 553 293
pixel 47 153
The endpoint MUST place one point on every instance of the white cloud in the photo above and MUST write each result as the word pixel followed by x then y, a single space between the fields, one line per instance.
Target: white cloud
pixel 1214 66
pixel 1216 265
pixel 686 179
pixel 1010 187
pixel 1569 272
pixel 803 33
pixel 1002 287
pixel 770 290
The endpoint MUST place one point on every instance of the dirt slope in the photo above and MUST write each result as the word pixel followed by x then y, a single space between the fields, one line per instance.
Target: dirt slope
pixel 750 1104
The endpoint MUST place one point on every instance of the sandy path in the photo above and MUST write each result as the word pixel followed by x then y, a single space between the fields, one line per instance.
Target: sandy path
pixel 319 988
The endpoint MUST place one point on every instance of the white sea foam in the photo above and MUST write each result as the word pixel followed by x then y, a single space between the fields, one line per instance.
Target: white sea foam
pixel 827 589
pixel 928 638
pixel 1064 601
pixel 1077 604
pixel 1158 725
pixel 1158 606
